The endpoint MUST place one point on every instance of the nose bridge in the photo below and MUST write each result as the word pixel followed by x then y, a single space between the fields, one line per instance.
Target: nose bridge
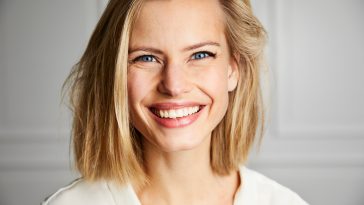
pixel 174 80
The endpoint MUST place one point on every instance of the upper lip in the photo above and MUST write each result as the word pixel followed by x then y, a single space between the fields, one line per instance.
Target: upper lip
pixel 173 105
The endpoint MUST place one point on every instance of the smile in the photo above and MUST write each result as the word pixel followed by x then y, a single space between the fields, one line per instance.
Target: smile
pixel 175 116
pixel 176 113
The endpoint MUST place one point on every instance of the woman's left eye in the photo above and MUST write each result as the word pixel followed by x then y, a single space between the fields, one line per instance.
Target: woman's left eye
pixel 202 55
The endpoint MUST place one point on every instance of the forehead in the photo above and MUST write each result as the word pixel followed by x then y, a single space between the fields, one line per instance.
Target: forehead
pixel 180 21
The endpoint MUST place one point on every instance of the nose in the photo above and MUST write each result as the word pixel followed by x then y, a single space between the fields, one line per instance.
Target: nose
pixel 174 80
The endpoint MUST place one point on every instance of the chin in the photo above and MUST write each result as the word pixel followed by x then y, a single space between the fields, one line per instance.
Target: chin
pixel 180 143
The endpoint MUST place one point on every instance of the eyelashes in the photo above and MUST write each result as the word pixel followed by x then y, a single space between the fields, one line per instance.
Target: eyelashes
pixel 196 56
pixel 145 58
pixel 202 55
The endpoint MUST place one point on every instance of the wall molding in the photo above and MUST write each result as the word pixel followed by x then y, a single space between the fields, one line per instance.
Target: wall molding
pixel 7 163
pixel 34 135
pixel 281 53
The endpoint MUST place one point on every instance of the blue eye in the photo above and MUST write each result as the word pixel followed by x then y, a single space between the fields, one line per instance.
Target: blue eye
pixel 202 55
pixel 146 58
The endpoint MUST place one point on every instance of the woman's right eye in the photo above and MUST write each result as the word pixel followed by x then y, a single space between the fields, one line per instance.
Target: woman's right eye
pixel 145 58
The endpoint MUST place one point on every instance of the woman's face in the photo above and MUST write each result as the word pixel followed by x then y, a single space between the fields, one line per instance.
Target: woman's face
pixel 180 72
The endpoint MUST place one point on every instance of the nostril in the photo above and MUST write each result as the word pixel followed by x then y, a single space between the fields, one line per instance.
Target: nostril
pixel 174 80
pixel 174 87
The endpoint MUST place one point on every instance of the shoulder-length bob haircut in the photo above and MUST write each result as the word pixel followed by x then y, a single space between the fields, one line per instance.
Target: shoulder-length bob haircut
pixel 105 144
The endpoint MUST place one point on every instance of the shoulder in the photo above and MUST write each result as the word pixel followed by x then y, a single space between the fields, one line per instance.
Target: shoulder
pixel 82 192
pixel 264 190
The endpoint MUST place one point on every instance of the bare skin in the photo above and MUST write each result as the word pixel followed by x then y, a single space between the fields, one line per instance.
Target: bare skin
pixel 186 178
pixel 172 36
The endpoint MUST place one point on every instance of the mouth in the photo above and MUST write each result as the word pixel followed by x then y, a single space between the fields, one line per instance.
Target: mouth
pixel 176 113
pixel 176 116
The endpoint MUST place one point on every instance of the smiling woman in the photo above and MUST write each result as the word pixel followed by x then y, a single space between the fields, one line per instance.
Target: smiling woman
pixel 166 102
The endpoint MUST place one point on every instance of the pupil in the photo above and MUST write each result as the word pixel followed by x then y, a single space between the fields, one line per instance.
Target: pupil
pixel 201 55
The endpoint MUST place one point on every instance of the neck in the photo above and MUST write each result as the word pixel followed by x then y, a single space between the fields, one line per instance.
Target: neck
pixel 183 175
pixel 180 167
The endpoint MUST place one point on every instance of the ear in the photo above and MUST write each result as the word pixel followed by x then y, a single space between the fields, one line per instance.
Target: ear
pixel 233 73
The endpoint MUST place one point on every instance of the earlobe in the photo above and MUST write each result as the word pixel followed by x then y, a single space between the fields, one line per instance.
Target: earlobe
pixel 233 75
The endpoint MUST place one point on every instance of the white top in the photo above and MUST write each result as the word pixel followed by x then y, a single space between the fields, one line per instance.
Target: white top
pixel 256 190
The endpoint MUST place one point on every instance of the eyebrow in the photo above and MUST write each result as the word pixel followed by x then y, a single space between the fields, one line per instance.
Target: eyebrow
pixel 147 49
pixel 188 48
pixel 198 45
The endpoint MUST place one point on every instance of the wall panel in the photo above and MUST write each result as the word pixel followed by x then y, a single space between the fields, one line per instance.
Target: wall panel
pixel 315 138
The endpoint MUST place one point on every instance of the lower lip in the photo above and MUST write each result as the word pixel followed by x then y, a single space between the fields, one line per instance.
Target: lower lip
pixel 177 122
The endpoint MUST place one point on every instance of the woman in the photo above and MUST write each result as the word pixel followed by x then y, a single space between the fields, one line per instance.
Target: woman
pixel 166 106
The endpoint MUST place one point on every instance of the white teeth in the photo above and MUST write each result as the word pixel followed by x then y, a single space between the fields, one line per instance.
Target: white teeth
pixel 179 112
pixel 172 114
pixel 183 112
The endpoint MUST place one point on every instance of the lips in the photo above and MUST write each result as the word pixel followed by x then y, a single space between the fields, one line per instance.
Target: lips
pixel 175 115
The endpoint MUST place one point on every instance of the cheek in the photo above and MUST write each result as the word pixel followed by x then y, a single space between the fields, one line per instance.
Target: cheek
pixel 214 80
pixel 138 87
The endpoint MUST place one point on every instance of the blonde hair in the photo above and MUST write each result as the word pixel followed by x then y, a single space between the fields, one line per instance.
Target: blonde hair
pixel 105 143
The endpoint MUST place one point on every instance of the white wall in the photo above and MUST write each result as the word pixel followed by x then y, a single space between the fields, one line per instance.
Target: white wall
pixel 39 42
pixel 315 141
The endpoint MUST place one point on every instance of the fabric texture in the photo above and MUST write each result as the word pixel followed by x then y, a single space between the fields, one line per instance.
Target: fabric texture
pixel 256 189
